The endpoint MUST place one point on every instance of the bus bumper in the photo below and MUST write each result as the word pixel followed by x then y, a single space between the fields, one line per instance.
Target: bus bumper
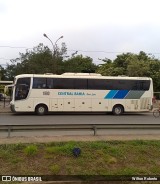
pixel 12 108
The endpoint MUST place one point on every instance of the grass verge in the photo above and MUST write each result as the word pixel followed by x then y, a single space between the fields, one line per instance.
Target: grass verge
pixel 96 158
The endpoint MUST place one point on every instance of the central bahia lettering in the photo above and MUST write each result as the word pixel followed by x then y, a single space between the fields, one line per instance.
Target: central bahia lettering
pixel 72 93
pixel 79 93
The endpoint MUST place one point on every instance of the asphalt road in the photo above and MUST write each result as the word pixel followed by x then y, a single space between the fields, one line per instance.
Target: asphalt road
pixel 29 119
pixel 20 119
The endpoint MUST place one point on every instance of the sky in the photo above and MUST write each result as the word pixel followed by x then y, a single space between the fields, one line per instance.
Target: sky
pixel 95 28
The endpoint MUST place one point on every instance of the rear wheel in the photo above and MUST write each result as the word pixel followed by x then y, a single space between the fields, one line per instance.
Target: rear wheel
pixel 118 110
pixel 156 113
pixel 41 109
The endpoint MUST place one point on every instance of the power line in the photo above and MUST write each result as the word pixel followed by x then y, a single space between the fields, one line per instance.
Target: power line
pixel 13 47
pixel 111 52
pixel 96 51
pixel 70 50
pixel 5 59
pixel 79 50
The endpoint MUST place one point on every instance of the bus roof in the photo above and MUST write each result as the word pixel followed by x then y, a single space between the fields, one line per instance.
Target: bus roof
pixel 81 75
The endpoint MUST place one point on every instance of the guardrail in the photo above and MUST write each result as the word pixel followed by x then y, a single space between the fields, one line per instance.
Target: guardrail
pixel 72 127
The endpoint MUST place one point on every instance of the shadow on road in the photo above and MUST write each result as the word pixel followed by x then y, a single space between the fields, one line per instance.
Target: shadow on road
pixel 83 114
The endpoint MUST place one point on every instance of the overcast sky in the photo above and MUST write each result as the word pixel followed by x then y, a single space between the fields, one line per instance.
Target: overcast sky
pixel 95 28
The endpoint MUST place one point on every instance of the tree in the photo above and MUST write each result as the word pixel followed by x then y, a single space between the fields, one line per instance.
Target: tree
pixel 109 68
pixel 39 60
pixel 42 60
pixel 138 68
pixel 2 73
pixel 154 73
pixel 79 64
pixel 139 65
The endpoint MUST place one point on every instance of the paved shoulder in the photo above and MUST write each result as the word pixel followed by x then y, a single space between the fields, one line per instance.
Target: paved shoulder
pixel 45 139
pixel 4 107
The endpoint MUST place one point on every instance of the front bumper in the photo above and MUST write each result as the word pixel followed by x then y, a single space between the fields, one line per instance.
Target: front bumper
pixel 12 107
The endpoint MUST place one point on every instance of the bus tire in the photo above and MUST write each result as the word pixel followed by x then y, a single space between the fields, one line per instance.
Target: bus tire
pixel 118 110
pixel 41 109
pixel 156 113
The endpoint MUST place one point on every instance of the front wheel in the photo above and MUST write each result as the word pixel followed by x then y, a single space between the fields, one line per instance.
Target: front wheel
pixel 156 113
pixel 118 110
pixel 41 110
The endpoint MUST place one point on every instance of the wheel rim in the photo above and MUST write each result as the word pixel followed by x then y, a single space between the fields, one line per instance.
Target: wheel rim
pixel 41 110
pixel 118 110
pixel 156 113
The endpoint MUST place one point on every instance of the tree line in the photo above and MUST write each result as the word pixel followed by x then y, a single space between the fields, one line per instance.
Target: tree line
pixel 42 60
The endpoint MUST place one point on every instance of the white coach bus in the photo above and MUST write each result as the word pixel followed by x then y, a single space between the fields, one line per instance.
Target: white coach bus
pixel 81 92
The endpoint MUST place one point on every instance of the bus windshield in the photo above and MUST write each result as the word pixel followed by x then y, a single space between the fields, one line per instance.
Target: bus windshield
pixel 22 88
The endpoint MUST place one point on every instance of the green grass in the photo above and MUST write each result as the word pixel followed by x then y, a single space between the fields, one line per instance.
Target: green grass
pixel 31 150
pixel 55 169
pixel 96 158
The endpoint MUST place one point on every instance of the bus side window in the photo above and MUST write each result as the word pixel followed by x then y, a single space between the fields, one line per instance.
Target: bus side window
pixel 39 83
pixel 139 85
pixel 43 86
pixel 49 83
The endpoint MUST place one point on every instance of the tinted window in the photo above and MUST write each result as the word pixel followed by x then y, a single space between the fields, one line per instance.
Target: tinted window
pixel 95 84
pixel 25 81
pixel 49 83
pixel 121 84
pixel 59 83
pixel 80 83
pixel 39 83
pixel 142 85
pixel 129 85
pixel 112 84
pixel 98 84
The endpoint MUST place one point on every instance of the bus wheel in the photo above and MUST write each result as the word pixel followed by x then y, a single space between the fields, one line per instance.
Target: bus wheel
pixel 156 113
pixel 41 109
pixel 118 110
